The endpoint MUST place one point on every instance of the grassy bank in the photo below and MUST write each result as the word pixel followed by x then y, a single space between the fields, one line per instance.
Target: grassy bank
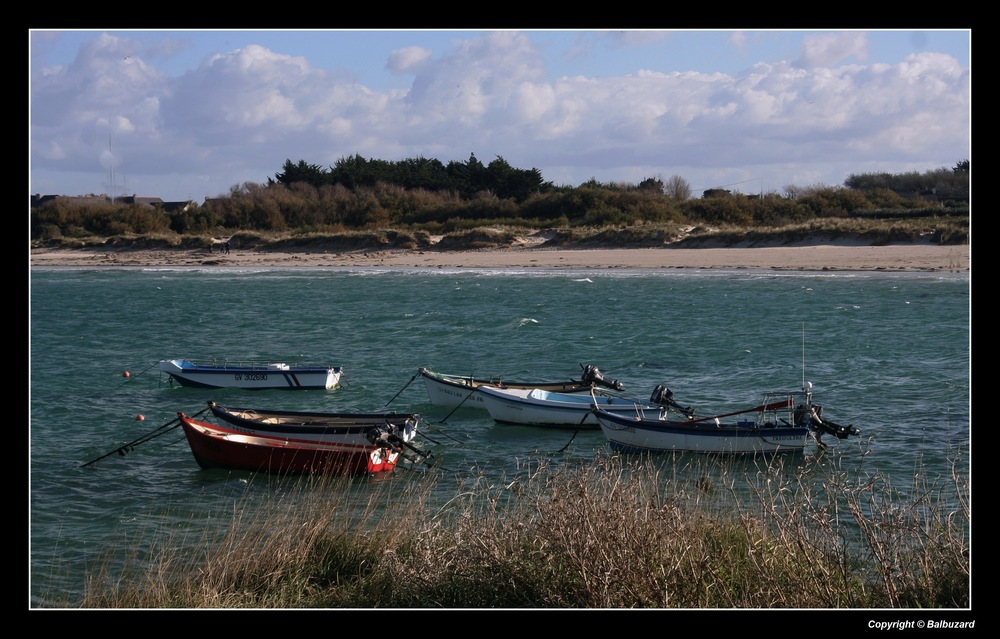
pixel 864 231
pixel 614 533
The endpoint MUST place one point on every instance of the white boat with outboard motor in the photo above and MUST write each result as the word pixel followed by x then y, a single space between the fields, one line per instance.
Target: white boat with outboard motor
pixel 462 390
pixel 780 424
pixel 537 407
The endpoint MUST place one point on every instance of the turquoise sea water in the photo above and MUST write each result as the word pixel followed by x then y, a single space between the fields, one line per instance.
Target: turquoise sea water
pixel 887 352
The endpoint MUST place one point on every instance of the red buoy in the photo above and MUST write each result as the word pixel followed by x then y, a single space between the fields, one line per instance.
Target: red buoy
pixel 140 417
pixel 125 374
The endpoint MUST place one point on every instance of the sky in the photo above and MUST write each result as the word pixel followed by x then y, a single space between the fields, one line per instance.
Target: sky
pixel 189 114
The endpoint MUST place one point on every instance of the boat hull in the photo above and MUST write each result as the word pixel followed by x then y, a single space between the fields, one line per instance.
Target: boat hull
pixel 223 448
pixel 351 428
pixel 252 377
pixel 537 407
pixel 461 390
pixel 630 435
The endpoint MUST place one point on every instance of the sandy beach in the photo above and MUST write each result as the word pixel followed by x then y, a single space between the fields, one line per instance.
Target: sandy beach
pixel 825 257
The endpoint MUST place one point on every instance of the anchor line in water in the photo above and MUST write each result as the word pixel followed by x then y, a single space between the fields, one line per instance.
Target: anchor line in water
pixel 430 424
pixel 405 386
pixel 132 378
pixel 459 404
pixel 588 414
pixel 124 449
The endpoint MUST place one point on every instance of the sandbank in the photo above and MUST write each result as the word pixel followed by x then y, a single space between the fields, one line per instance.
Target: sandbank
pixel 821 257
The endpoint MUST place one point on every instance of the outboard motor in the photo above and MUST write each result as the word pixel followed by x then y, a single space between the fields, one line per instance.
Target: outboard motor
pixel 841 432
pixel 817 423
pixel 384 436
pixel 591 375
pixel 663 396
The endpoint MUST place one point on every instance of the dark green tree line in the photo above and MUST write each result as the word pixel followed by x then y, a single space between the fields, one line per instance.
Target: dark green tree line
pixel 942 184
pixel 468 179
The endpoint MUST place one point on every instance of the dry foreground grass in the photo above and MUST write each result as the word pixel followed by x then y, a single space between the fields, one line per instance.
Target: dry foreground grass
pixel 606 534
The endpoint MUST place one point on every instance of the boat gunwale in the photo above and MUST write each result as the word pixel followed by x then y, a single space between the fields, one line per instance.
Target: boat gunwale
pixel 472 383
pixel 255 366
pixel 406 424
pixel 622 422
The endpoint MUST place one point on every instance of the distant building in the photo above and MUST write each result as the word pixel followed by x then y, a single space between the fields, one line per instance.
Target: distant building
pixel 135 199
pixel 177 207
pixel 39 200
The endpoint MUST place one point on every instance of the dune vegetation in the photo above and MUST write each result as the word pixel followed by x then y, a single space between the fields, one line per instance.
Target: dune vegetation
pixel 394 205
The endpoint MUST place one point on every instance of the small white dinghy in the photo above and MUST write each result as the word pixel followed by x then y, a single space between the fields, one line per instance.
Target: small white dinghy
pixel 250 374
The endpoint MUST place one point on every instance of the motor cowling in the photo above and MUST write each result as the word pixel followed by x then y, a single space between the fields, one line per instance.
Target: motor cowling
pixel 663 396
pixel 832 428
pixel 592 375
pixel 841 432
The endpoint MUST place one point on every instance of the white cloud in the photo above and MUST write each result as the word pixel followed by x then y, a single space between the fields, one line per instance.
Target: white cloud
pixel 240 114
pixel 531 101
pixel 830 49
pixel 407 60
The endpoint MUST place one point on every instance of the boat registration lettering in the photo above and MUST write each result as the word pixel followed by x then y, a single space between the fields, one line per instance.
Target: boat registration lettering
pixel 250 377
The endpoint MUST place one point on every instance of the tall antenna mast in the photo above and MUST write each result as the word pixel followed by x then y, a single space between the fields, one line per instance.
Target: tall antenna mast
pixel 803 355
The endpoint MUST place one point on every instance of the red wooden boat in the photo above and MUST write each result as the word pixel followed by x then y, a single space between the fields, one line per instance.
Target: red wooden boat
pixel 363 449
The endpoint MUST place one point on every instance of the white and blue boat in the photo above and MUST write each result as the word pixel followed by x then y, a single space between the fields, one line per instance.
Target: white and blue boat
pixel 780 424
pixel 250 374
pixel 538 407
pixel 461 390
